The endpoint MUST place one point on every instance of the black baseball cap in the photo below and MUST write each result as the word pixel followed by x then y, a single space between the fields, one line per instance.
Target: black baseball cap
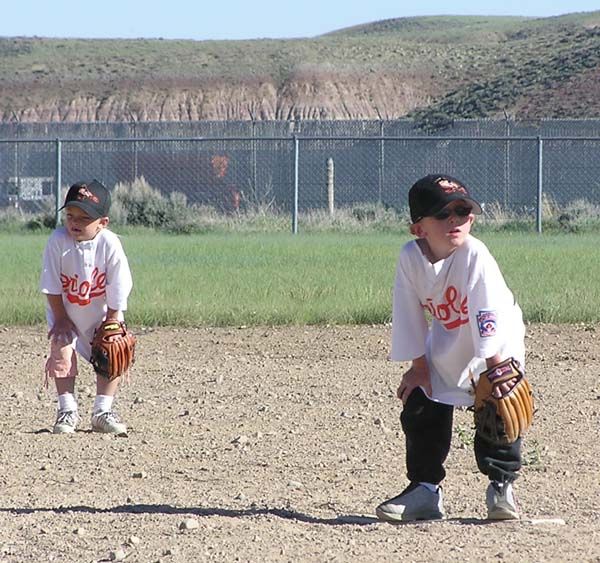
pixel 432 193
pixel 93 197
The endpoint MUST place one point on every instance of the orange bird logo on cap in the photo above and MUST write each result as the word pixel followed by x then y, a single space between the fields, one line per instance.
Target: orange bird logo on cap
pixel 84 193
pixel 450 187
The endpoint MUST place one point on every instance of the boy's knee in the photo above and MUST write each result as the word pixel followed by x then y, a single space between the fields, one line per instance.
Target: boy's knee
pixel 62 361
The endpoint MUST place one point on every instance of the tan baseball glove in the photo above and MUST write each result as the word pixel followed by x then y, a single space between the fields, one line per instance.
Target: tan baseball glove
pixel 113 349
pixel 501 415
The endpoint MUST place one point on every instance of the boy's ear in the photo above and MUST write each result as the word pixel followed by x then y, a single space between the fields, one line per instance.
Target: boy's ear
pixel 104 221
pixel 416 229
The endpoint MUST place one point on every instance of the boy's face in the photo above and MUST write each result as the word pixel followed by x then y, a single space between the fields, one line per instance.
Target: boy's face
pixel 446 230
pixel 81 226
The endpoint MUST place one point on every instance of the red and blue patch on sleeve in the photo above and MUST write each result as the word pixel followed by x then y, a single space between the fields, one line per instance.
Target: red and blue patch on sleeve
pixel 487 323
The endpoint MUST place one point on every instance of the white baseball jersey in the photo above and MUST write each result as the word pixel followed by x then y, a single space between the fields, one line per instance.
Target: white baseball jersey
pixel 473 316
pixel 91 276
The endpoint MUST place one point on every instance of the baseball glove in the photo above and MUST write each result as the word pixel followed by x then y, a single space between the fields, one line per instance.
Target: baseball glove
pixel 113 349
pixel 501 416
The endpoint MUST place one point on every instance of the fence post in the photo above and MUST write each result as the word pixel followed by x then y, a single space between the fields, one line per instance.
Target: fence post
pixel 506 179
pixel 295 209
pixel 253 145
pixel 57 200
pixel 540 182
pixel 330 187
pixel 135 151
pixel 381 160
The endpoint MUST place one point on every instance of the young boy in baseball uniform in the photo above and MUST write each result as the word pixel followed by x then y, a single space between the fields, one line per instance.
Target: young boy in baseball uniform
pixel 450 277
pixel 86 279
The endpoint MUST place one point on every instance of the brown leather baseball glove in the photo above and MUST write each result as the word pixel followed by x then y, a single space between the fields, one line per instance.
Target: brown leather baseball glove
pixel 503 412
pixel 113 349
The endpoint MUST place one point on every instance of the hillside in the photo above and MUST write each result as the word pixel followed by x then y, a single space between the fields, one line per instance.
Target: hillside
pixel 432 69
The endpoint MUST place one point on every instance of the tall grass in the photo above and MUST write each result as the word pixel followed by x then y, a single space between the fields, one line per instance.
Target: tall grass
pixel 260 279
pixel 248 279
pixel 20 266
pixel 554 277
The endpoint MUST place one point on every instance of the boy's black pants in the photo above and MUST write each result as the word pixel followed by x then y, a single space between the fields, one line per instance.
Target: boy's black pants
pixel 427 426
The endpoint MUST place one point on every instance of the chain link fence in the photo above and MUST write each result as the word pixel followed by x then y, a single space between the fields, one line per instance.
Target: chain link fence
pixel 294 167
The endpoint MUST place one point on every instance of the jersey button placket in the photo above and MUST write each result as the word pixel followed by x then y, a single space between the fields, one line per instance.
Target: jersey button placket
pixel 87 255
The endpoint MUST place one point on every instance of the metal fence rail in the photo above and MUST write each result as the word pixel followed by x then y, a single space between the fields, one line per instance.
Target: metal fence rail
pixel 296 172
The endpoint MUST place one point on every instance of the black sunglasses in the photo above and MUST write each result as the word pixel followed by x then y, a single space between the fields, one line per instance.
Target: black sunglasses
pixel 462 211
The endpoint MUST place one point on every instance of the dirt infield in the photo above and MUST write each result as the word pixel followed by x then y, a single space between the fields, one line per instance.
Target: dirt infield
pixel 275 444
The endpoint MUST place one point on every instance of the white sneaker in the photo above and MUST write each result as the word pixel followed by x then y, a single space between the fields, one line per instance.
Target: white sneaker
pixel 66 422
pixel 416 502
pixel 108 423
pixel 501 503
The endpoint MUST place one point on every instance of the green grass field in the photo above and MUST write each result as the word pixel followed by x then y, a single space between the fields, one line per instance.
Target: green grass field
pixel 242 279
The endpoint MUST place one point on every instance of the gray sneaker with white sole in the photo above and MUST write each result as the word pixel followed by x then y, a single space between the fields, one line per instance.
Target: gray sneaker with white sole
pixel 416 502
pixel 500 501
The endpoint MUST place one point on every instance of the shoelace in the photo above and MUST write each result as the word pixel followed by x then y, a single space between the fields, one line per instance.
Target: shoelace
pixel 107 417
pixel 69 417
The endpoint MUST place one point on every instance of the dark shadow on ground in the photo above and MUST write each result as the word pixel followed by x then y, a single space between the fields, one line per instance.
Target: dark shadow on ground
pixel 285 513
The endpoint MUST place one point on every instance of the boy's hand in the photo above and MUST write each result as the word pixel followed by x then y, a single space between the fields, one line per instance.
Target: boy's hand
pixel 416 376
pixel 504 388
pixel 63 330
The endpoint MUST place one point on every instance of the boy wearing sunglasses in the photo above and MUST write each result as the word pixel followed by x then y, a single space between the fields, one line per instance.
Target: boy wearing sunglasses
pixel 450 277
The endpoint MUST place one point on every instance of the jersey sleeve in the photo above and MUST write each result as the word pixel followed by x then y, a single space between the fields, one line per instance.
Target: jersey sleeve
pixel 490 302
pixel 409 326
pixel 50 282
pixel 118 277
